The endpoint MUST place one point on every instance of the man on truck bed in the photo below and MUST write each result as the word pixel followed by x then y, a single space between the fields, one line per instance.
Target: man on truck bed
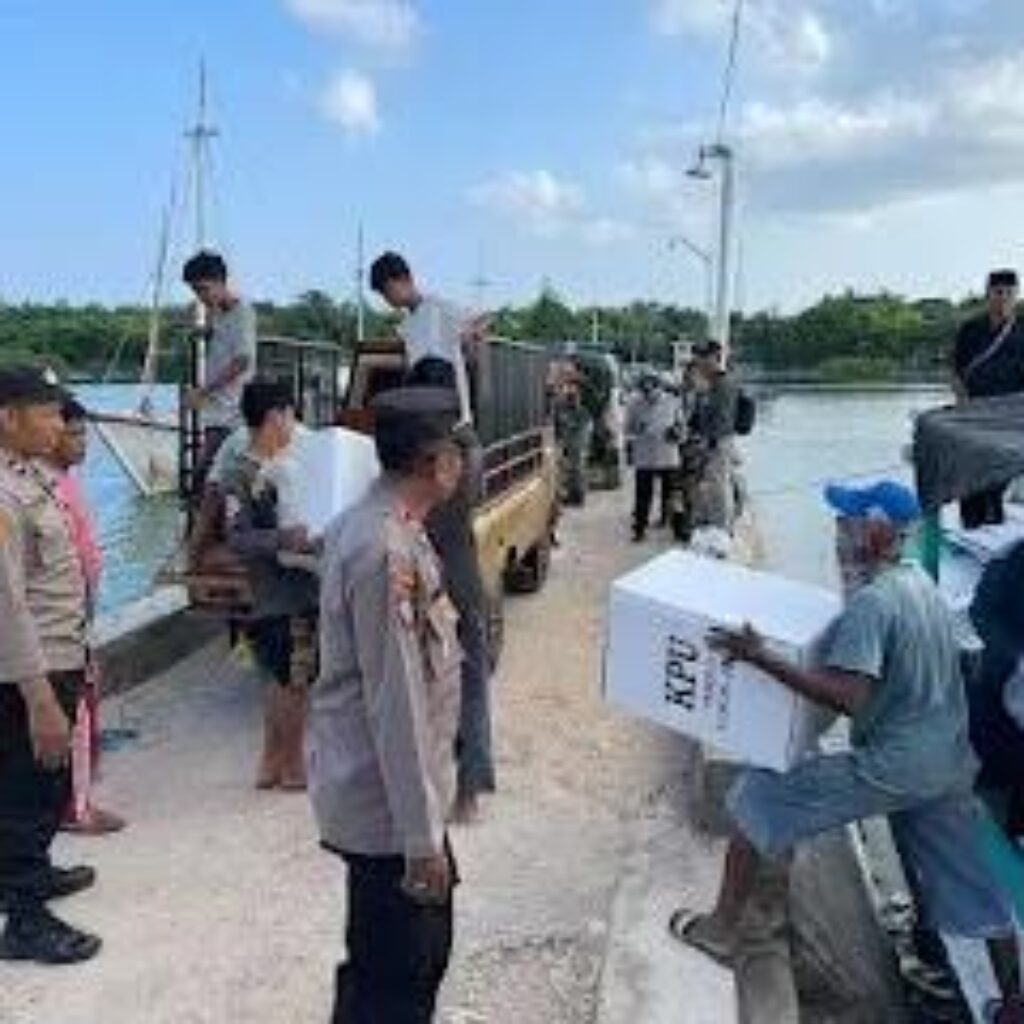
pixel 431 327
pixel 438 339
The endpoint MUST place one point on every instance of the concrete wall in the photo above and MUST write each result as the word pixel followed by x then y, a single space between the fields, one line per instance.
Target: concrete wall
pixel 148 637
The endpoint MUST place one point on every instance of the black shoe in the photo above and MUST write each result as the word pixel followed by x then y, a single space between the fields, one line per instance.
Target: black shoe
pixel 63 882
pixel 42 938
pixel 639 536
pixel 55 884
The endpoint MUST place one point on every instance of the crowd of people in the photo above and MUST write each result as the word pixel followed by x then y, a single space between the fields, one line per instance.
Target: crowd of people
pixel 373 641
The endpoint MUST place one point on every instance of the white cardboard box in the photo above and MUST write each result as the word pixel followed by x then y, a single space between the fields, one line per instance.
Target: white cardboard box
pixel 329 471
pixel 658 664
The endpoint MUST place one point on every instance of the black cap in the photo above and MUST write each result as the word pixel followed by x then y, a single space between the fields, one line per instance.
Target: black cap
pixel 28 385
pixel 1003 279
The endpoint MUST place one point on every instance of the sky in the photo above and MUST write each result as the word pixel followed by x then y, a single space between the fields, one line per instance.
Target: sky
pixel 879 144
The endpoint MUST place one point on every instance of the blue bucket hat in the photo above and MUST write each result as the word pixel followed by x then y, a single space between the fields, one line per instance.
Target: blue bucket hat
pixel 887 500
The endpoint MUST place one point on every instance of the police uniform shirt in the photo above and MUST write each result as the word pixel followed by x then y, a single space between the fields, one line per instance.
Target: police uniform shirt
pixel 43 617
pixel 384 713
pixel 986 369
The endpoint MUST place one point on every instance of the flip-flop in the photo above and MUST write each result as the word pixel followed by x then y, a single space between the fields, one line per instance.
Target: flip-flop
pixel 683 925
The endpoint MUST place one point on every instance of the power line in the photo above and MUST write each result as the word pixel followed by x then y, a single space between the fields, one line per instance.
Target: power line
pixel 731 64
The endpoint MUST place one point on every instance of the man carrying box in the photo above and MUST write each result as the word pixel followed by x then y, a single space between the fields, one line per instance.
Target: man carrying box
pixel 891 664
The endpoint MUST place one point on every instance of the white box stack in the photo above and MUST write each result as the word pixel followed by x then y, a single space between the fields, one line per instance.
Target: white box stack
pixel 658 664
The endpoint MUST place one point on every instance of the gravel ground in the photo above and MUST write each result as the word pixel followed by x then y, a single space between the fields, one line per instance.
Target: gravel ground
pixel 217 907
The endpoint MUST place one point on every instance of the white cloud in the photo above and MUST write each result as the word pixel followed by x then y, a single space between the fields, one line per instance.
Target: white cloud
pixel 547 206
pixel 350 100
pixel 540 199
pixel 952 130
pixel 388 24
pixel 784 35
pixel 603 231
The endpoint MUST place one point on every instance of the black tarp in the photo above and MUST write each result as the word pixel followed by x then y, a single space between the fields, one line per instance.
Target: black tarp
pixel 968 448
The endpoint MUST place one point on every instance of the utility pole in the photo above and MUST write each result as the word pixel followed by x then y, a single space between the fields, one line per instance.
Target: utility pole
pixel 360 285
pixel 723 155
pixel 595 327
pixel 480 282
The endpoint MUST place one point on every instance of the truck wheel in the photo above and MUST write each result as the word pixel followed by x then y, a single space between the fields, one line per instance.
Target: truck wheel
pixel 495 629
pixel 529 574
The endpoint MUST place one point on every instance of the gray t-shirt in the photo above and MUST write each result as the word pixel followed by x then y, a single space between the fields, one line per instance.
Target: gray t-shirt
pixel 912 735
pixel 232 334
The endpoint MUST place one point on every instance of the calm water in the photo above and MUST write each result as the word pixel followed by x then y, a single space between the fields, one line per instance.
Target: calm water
pixel 807 439
pixel 803 440
pixel 138 535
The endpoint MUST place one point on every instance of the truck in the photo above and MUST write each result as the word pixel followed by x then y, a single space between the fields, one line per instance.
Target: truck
pixel 515 520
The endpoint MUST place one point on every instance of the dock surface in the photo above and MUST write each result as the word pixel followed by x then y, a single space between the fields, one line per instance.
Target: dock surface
pixel 217 906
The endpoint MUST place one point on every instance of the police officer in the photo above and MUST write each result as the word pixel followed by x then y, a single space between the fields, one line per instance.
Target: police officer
pixel 385 714
pixel 42 662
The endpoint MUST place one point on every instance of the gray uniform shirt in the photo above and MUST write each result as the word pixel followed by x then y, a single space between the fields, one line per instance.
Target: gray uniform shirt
pixel 43 615
pixel 655 428
pixel 912 735
pixel 232 335
pixel 384 713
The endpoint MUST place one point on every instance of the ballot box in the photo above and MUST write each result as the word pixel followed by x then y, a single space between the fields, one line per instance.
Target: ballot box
pixel 658 664
pixel 327 472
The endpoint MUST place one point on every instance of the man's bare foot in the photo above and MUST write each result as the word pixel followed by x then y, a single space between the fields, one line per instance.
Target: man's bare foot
pixel 97 822
pixel 466 810
pixel 707 933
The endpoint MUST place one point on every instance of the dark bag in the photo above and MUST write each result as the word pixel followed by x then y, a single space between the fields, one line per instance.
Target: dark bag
pixel 746 413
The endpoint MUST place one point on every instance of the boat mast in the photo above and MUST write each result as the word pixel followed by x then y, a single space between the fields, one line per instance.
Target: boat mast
pixel 200 135
pixel 149 367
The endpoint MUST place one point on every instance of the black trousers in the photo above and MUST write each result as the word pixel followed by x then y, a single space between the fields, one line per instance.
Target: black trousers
pixel 32 798
pixel 644 496
pixel 986 508
pixel 398 949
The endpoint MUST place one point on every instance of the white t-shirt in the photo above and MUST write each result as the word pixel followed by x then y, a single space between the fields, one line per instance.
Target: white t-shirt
pixel 435 329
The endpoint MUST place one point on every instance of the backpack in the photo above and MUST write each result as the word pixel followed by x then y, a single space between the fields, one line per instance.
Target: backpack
pixel 746 413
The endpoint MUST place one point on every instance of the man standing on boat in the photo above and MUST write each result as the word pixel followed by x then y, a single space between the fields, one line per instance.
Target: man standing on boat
pixel 442 343
pixel 230 361
pixel 43 621
pixel 988 361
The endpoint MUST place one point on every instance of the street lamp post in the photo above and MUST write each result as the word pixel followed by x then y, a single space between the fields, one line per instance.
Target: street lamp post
pixel 723 154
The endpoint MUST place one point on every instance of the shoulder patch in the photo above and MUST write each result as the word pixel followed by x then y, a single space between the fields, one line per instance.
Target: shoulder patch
pixel 7 527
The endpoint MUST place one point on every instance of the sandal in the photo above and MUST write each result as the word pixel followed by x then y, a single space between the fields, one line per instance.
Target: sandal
pixel 685 927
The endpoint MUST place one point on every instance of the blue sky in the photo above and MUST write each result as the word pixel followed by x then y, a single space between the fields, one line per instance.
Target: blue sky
pixel 881 142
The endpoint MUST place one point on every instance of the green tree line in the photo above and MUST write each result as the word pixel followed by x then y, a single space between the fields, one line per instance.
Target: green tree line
pixel 843 337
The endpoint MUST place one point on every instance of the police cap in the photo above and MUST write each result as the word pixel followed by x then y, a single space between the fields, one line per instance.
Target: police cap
pixel 29 385
pixel 409 420
pixel 1003 279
